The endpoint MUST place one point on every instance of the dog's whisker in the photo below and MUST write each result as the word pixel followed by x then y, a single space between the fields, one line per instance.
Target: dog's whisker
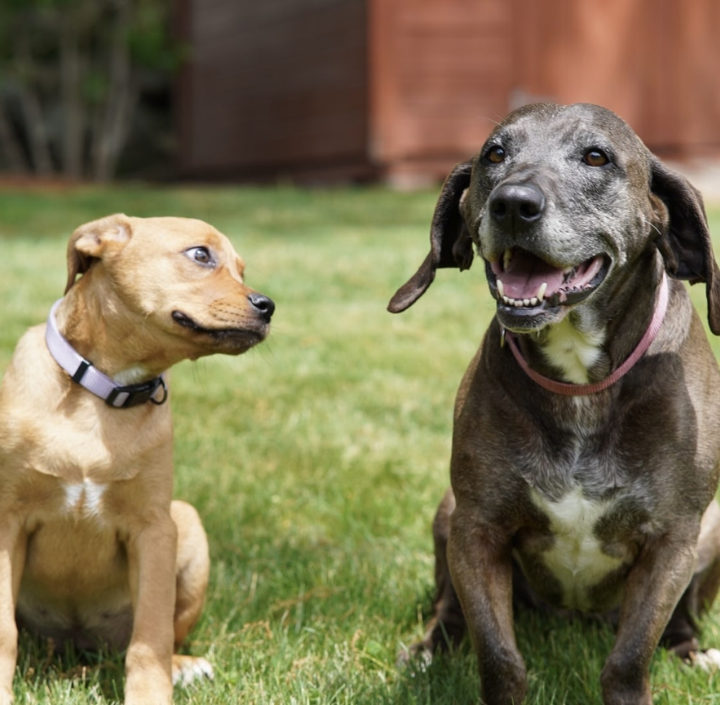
pixel 651 224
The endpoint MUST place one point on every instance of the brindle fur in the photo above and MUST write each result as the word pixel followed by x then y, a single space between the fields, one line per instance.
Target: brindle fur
pixel 648 446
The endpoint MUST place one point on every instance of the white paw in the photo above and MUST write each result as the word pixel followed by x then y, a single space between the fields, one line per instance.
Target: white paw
pixel 415 661
pixel 424 660
pixel 708 660
pixel 186 669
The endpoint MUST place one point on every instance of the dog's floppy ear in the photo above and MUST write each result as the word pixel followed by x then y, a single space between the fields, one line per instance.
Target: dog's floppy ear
pixel 89 242
pixel 685 241
pixel 450 241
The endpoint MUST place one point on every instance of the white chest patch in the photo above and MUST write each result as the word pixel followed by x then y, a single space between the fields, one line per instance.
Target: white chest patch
pixel 572 351
pixel 84 498
pixel 132 375
pixel 576 558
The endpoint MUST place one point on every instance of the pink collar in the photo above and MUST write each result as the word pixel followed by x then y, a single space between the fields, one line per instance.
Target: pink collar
pixel 577 390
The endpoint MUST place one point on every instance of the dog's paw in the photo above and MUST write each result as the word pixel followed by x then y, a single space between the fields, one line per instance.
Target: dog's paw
pixel 708 660
pixel 416 659
pixel 186 669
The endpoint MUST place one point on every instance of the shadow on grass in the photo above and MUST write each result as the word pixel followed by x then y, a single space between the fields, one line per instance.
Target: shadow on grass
pixel 43 666
pixel 451 678
pixel 564 658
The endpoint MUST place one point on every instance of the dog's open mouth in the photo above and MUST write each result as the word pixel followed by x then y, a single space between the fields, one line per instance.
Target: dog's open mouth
pixel 243 335
pixel 523 281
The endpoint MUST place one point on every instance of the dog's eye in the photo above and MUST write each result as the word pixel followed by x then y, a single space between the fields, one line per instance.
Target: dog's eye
pixel 595 157
pixel 495 154
pixel 201 255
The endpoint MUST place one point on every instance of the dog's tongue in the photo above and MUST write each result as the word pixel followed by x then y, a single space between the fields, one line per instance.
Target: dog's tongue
pixel 524 274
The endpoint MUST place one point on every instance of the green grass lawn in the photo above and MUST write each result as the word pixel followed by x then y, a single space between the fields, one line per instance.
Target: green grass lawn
pixel 316 461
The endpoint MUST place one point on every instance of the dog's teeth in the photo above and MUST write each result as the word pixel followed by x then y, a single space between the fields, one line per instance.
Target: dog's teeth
pixel 541 291
pixel 501 289
pixel 507 257
pixel 519 303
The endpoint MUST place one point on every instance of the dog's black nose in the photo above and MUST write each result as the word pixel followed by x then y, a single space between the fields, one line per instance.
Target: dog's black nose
pixel 516 206
pixel 263 305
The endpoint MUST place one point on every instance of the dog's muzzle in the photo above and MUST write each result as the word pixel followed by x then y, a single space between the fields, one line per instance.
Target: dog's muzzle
pixel 531 291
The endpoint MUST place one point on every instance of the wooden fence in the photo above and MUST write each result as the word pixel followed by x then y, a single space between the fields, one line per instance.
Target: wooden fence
pixel 403 89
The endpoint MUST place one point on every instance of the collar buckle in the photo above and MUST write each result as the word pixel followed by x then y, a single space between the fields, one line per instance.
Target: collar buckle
pixel 136 394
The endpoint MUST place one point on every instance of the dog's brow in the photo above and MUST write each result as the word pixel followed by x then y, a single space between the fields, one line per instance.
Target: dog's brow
pixel 590 138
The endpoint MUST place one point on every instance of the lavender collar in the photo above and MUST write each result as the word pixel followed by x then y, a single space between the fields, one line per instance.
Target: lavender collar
pixel 585 389
pixel 86 375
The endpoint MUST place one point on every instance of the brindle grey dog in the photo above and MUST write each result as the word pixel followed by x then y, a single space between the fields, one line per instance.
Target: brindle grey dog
pixel 595 494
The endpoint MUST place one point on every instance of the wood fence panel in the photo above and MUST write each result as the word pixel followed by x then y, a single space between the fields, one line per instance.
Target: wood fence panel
pixel 441 72
pixel 274 83
pixel 654 62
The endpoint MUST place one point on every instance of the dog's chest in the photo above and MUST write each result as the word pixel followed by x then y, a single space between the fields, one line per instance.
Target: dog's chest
pixel 581 488
pixel 573 352
pixel 84 499
pixel 576 557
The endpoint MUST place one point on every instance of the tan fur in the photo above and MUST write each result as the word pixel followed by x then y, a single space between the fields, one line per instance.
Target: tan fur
pixel 92 548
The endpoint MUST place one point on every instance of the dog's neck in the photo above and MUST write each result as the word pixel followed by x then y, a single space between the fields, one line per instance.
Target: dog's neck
pixel 82 321
pixel 574 347
pixel 583 349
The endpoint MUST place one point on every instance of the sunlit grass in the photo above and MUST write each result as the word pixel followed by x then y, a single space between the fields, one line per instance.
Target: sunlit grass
pixel 316 461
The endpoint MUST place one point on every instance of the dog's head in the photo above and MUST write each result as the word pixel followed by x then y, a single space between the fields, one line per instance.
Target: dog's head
pixel 179 274
pixel 560 201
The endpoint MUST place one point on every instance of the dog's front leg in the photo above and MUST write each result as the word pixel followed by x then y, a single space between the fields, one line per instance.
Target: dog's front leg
pixel 151 555
pixel 12 559
pixel 480 564
pixel 654 586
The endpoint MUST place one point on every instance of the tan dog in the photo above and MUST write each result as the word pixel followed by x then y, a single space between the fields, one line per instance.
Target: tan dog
pixel 92 549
